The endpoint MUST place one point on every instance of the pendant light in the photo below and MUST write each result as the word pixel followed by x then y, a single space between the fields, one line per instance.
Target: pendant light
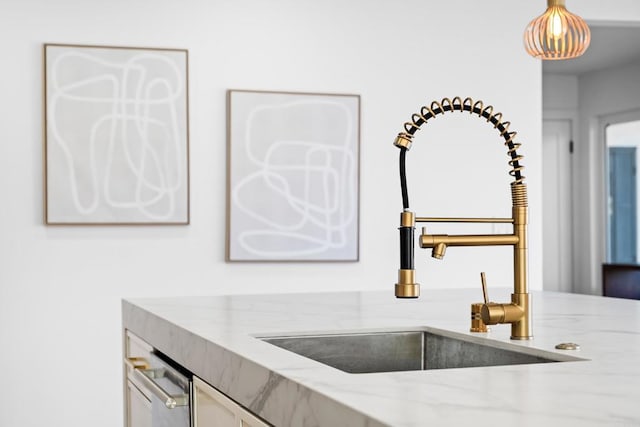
pixel 557 34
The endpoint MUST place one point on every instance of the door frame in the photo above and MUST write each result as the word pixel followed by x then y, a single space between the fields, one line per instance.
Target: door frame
pixel 603 224
pixel 572 116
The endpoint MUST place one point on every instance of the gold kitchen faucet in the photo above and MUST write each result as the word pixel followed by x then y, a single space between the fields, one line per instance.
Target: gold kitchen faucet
pixel 518 311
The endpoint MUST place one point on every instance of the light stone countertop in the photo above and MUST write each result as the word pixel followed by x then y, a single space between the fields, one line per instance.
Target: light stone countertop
pixel 215 338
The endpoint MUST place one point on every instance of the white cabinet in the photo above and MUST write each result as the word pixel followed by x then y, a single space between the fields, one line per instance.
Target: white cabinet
pixel 137 397
pixel 213 409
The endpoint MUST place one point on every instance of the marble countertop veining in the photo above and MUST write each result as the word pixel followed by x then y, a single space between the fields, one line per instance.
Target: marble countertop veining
pixel 215 338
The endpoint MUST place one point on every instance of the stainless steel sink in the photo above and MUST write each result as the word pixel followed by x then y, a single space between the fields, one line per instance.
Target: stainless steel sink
pixel 410 351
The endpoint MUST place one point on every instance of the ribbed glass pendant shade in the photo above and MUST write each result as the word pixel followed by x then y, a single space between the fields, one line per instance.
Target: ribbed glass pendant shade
pixel 557 34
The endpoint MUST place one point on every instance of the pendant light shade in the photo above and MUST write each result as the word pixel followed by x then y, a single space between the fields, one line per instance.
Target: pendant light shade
pixel 557 34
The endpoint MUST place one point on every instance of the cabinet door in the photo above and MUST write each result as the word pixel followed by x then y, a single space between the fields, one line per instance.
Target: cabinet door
pixel 138 407
pixel 211 408
pixel 250 420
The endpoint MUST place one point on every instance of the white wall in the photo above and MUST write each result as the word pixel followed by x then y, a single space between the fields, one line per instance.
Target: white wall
pixel 60 287
pixel 559 95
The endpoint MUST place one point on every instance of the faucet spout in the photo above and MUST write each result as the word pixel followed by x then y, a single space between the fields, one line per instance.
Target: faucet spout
pixel 438 250
pixel 439 242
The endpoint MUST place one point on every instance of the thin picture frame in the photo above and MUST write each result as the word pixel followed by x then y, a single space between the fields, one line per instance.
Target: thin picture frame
pixel 293 177
pixel 116 135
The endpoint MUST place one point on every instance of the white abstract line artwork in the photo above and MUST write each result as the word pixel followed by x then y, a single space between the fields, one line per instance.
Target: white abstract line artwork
pixel 116 135
pixel 293 177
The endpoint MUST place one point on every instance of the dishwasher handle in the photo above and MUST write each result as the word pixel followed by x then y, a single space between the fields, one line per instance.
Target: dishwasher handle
pixel 147 376
pixel 134 363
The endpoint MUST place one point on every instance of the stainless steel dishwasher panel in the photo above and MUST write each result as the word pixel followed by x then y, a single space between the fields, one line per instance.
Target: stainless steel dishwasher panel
pixel 171 394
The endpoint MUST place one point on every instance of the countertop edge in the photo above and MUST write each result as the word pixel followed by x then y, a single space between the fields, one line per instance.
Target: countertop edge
pixel 277 399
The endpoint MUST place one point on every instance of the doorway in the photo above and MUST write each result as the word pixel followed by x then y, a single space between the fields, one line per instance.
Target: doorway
pixel 587 91
pixel 557 206
pixel 622 141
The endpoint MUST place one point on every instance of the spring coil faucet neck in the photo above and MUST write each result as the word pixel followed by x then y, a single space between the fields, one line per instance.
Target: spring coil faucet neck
pixel 518 311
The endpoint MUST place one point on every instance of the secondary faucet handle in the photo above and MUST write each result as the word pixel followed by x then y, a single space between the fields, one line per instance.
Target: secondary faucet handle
pixel 485 293
pixel 477 324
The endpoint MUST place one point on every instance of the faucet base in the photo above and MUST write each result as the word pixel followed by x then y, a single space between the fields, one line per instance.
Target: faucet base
pixel 522 330
pixel 517 313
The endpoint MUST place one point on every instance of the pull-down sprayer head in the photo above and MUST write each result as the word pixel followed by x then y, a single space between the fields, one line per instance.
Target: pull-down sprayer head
pixel 406 286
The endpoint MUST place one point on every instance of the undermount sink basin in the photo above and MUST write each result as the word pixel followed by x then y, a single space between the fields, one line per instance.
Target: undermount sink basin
pixel 410 351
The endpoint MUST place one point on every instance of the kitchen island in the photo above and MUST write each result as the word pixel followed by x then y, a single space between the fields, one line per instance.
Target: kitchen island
pixel 217 338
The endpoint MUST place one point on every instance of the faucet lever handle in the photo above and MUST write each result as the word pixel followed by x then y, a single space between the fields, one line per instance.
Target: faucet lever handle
pixel 485 293
pixel 477 322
